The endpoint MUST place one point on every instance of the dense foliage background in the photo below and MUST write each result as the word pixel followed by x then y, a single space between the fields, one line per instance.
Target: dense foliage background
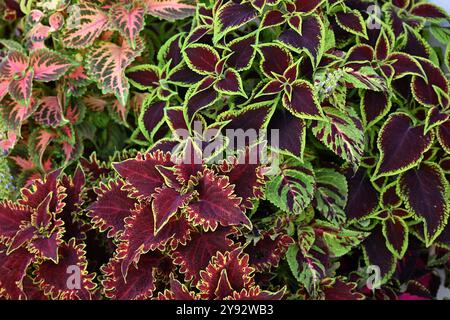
pixel 102 198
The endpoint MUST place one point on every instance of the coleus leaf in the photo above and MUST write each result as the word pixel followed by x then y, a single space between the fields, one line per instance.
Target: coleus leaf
pixel 151 117
pixel 142 172
pixel 140 281
pixel 20 89
pixel 395 230
pixel 243 52
pixel 425 192
pixel 256 293
pixel 292 189
pixel 230 83
pixel 85 23
pixel 311 40
pixel 275 59
pixel 443 135
pixel 216 203
pixel 267 251
pixel 49 112
pixel 201 96
pixel 247 176
pixel 293 131
pixel 233 15
pixel 178 291
pixel 139 236
pixel 11 217
pixel 13 269
pixel 342 133
pixel 196 254
pixel 48 65
pixel 376 253
pixel 201 58
pixel 401 144
pixel 362 196
pixel 331 193
pixel 428 10
pixel 112 206
pixel 170 9
pixel 307 6
pixel 338 289
pixel 129 21
pixel 107 63
pixel 425 91
pixel 166 202
pixel 226 273
pixel 374 106
pixel 53 278
pixel 352 21
pixel 302 101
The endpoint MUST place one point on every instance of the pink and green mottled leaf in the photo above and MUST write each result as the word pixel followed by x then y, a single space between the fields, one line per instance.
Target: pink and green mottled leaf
pixel 170 9
pixel 49 112
pixel 48 65
pixel 129 21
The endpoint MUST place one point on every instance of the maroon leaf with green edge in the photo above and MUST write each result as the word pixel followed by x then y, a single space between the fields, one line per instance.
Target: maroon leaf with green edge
pixel 140 281
pixel 362 54
pixel 201 58
pixel 246 173
pixel 251 117
pixel 353 22
pixel 144 76
pixel 291 129
pixel 342 133
pixel 141 173
pixel 376 253
pixel 310 40
pixel 139 237
pixel 443 135
pixel 226 273
pixel 267 251
pixel 166 203
pixel 307 6
pixel 170 9
pixel 49 112
pixel 48 65
pixel 230 83
pixel 374 106
pixel 338 289
pixel 401 145
pixel 201 96
pixel 107 63
pixel 129 21
pixel 395 232
pixel 275 59
pixel 382 46
pixel 303 102
pixel 425 192
pixel 112 206
pixel 53 278
pixel 272 18
pixel 243 52
pixel 216 204
pixel 435 117
pixel 196 255
pixel 424 90
pixel 415 44
pixel 152 117
pixel 405 64
pixel 233 15
pixel 13 268
pixel 85 24
pixel 428 10
pixel 362 196
pixel 389 197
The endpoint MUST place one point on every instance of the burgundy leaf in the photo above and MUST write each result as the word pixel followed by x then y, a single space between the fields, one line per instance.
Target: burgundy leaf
pixel 303 102
pixel 362 196
pixel 13 269
pixel 201 58
pixel 165 204
pixel 275 59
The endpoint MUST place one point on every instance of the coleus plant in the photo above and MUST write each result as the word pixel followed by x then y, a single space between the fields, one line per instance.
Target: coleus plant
pixel 117 163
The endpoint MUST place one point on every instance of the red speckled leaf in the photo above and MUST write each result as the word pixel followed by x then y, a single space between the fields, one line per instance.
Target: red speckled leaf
pixel 12 272
pixel 113 205
pixel 225 274
pixel 49 112
pixel 139 237
pixel 216 203
pixel 54 279
pixel 141 172
pixel 170 9
pixel 20 88
pixel 196 255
